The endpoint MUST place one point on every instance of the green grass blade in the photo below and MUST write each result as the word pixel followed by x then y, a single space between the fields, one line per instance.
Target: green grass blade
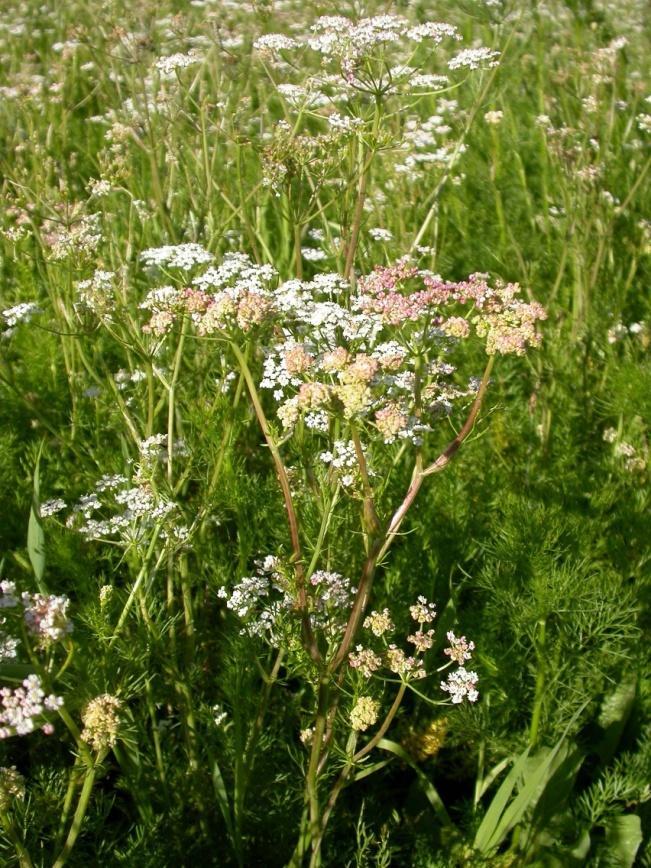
pixel 428 787
pixel 35 535
pixel 486 831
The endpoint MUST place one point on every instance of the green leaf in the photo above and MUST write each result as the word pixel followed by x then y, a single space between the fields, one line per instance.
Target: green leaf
pixel 554 793
pixel 623 837
pixel 428 787
pixel 531 791
pixel 581 848
pixel 35 535
pixel 615 712
pixel 490 776
pixel 535 775
pixel 486 831
pixel 369 770
pixel 222 800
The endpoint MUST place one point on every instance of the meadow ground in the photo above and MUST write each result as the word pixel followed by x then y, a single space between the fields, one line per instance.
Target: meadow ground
pixel 325 396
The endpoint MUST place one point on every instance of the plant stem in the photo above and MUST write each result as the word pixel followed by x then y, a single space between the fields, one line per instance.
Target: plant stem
pixel 297 559
pixel 245 767
pixel 342 780
pixel 540 684
pixel 80 813
pixel 380 548
pixel 366 157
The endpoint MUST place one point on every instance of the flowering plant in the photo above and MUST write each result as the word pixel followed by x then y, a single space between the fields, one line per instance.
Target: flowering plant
pixel 359 372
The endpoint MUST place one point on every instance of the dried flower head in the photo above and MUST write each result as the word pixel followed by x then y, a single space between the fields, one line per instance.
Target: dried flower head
pixel 426 743
pixel 12 786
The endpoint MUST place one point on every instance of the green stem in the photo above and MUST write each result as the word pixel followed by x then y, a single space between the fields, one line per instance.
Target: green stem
pixel 80 813
pixel 540 684
pixel 135 590
pixel 323 530
pixel 371 521
pixel 348 768
pixel 366 158
pixel 297 559
pixel 67 802
pixel 310 836
pixel 245 767
pixel 298 257
pixel 434 196
pixel 171 402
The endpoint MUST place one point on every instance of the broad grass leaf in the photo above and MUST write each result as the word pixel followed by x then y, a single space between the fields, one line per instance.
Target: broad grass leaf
pixel 486 831
pixel 428 787
pixel 222 800
pixel 369 770
pixel 533 783
pixel 554 794
pixel 15 671
pixel 489 777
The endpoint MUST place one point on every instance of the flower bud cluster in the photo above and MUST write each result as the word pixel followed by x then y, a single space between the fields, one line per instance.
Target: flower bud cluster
pixel 101 719
pixel 364 713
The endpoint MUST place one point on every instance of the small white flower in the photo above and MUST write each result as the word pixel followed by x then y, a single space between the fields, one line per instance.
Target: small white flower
pixel 461 684
pixel 494 117
pixel 473 58
pixel 167 66
pixel 51 507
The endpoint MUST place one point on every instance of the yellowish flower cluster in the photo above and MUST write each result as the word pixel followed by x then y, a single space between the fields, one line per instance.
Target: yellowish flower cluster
pixel 364 713
pixel 101 720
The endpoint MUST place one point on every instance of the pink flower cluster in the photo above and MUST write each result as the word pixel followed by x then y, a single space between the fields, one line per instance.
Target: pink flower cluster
pixel 22 708
pixel 507 323
pixel 384 292
pixel 377 352
pixel 46 617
